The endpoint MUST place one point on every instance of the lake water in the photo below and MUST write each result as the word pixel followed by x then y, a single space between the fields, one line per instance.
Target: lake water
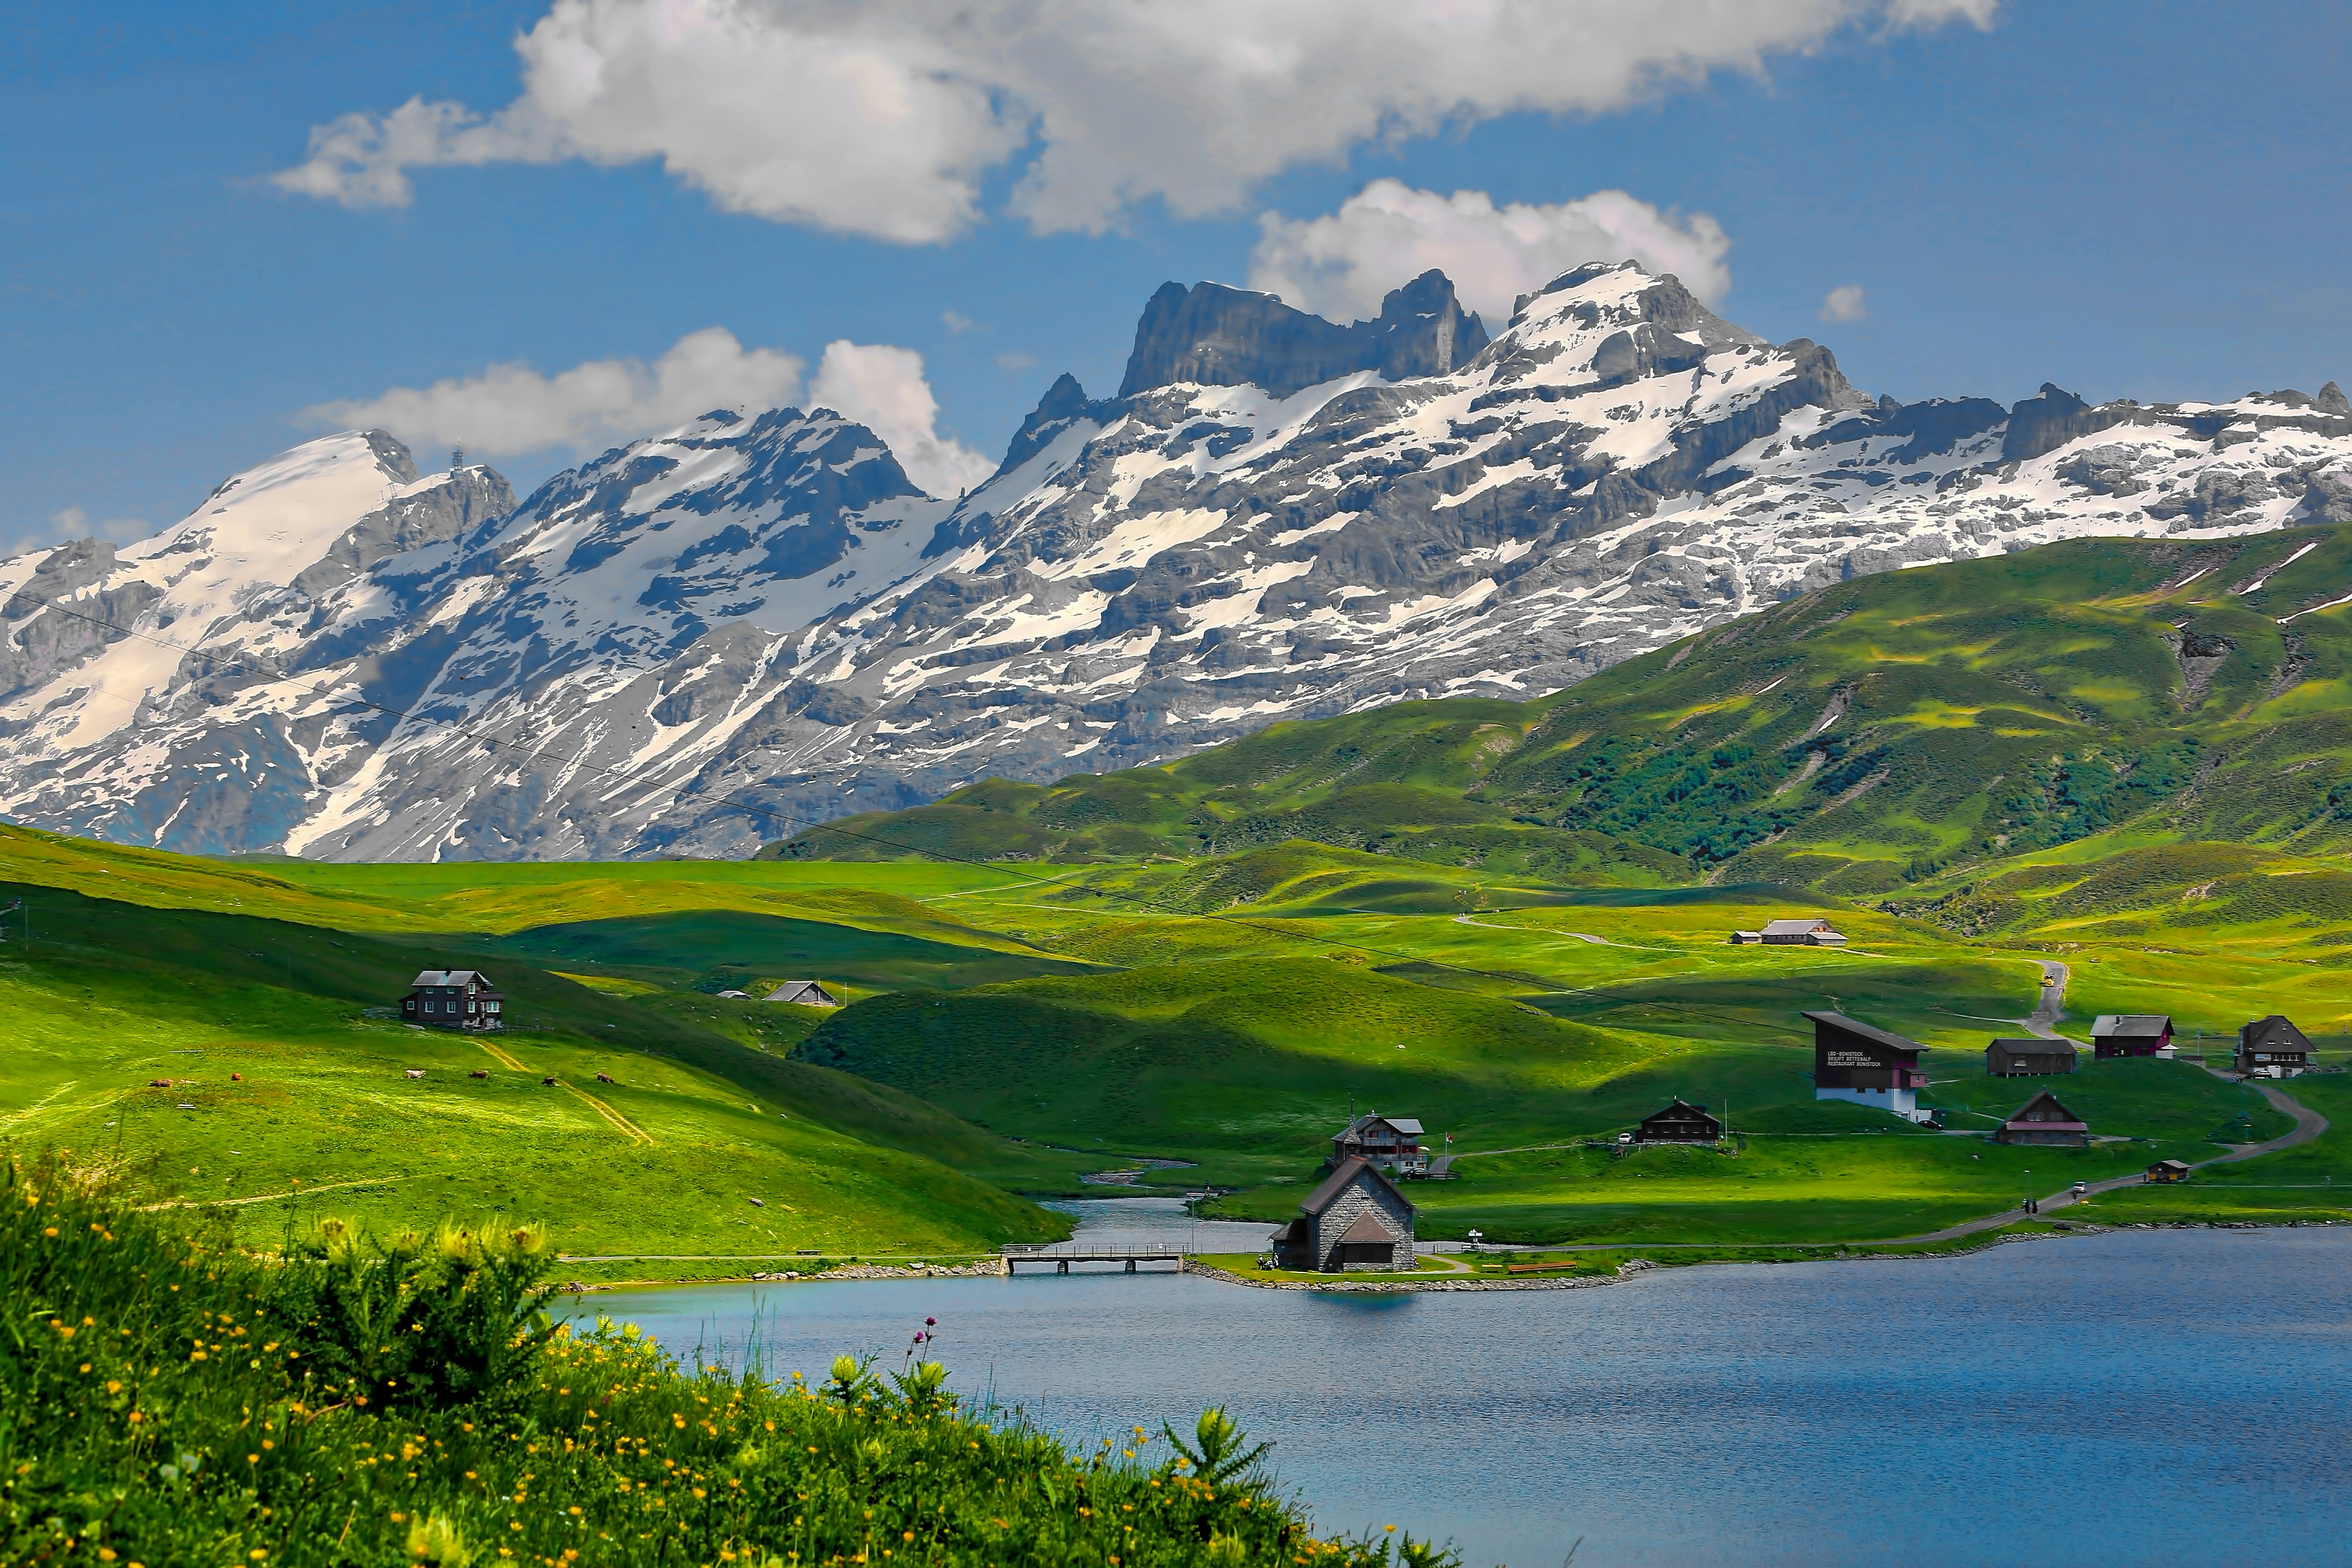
pixel 2139 1397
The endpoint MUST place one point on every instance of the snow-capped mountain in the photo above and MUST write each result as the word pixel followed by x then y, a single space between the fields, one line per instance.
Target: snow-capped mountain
pixel 698 641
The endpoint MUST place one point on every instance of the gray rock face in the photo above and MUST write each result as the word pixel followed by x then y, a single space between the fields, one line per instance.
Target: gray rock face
pixel 706 639
pixel 1216 336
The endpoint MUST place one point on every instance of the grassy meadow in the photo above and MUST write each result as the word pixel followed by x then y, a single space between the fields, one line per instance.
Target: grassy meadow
pixel 2132 758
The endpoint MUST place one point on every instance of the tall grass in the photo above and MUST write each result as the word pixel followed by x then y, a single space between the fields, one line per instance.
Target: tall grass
pixel 167 1399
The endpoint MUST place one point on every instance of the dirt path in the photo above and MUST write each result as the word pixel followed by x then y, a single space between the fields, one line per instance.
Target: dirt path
pixel 1537 931
pixel 618 1122
pixel 2052 1005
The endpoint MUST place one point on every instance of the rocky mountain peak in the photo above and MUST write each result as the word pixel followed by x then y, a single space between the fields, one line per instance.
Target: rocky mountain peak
pixel 1213 335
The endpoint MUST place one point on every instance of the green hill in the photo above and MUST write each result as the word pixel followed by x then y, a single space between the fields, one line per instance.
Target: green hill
pixel 1942 736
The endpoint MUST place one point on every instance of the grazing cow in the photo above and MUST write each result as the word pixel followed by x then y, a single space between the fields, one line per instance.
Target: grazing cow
pixel 159 1083
pixel 416 1072
pixel 603 1077
pixel 479 1072
pixel 546 1083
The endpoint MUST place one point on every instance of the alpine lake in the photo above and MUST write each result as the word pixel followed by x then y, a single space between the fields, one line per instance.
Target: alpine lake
pixel 2169 1396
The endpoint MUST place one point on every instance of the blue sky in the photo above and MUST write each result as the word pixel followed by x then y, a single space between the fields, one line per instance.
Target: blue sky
pixel 2144 200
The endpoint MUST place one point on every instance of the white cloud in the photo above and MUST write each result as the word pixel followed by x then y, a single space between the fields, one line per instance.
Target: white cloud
pixel 957 322
pixel 883 118
pixel 512 408
pixel 75 522
pixel 882 388
pixel 1845 303
pixel 1340 266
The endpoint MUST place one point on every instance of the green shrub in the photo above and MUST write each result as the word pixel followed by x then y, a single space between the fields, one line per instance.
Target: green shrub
pixel 165 1399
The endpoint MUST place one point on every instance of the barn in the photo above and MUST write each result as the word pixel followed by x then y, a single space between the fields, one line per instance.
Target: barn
pixel 2042 1121
pixel 2272 1048
pixel 1356 1219
pixel 2014 1057
pixel 2130 1034
pixel 1809 932
pixel 1680 1122
pixel 804 994
pixel 1854 1061
pixel 2169 1170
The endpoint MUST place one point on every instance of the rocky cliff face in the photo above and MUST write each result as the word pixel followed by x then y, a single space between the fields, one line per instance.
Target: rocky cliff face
pixel 704 640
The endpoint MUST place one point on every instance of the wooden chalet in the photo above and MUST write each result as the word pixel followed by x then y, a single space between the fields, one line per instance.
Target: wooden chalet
pixel 1355 1220
pixel 2272 1048
pixel 2015 1058
pixel 2042 1120
pixel 804 994
pixel 1391 1142
pixel 1809 932
pixel 2130 1034
pixel 1680 1122
pixel 1854 1061
pixel 2169 1170
pixel 454 999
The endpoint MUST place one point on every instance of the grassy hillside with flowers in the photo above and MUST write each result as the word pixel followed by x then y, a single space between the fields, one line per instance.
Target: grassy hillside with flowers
pixel 167 1398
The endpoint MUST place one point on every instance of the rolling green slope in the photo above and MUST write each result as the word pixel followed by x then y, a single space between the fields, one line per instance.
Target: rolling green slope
pixel 2080 730
pixel 282 1092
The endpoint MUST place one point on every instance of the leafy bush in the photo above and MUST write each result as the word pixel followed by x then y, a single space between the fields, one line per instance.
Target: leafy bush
pixel 166 1399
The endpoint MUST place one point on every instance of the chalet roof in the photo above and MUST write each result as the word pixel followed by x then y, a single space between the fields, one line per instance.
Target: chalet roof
pixel 1404 1124
pixel 1685 1106
pixel 1340 1179
pixel 448 977
pixel 2018 1045
pixel 1795 927
pixel 1282 1233
pixel 2132 1025
pixel 794 990
pixel 2064 1120
pixel 1876 1037
pixel 2277 1031
pixel 2170 1165
pixel 1367 1227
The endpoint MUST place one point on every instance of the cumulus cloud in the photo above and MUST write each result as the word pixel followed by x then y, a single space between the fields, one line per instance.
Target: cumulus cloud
pixel 884 389
pixel 884 118
pixel 1845 303
pixel 510 409
pixel 1340 266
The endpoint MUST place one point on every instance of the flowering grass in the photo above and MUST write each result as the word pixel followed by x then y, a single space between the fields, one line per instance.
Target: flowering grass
pixel 166 1398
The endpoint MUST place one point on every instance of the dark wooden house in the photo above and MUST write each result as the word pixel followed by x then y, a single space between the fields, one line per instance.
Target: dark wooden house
pixel 1356 1219
pixel 2016 1058
pixel 2130 1034
pixel 1680 1122
pixel 2043 1121
pixel 1854 1061
pixel 2272 1048
pixel 2169 1170
pixel 804 994
pixel 454 999
pixel 1391 1142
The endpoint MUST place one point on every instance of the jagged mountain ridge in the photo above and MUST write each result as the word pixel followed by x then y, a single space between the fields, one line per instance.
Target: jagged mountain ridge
pixel 765 609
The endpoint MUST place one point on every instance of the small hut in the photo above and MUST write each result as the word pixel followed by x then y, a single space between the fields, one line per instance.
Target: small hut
pixel 2169 1170
pixel 2130 1034
pixel 1680 1122
pixel 804 994
pixel 1356 1219
pixel 2030 1059
pixel 2042 1121
pixel 1809 932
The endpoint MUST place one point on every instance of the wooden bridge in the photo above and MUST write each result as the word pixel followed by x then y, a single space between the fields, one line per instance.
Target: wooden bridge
pixel 1061 1257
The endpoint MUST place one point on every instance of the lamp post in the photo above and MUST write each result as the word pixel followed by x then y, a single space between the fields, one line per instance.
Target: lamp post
pixel 1475 1238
